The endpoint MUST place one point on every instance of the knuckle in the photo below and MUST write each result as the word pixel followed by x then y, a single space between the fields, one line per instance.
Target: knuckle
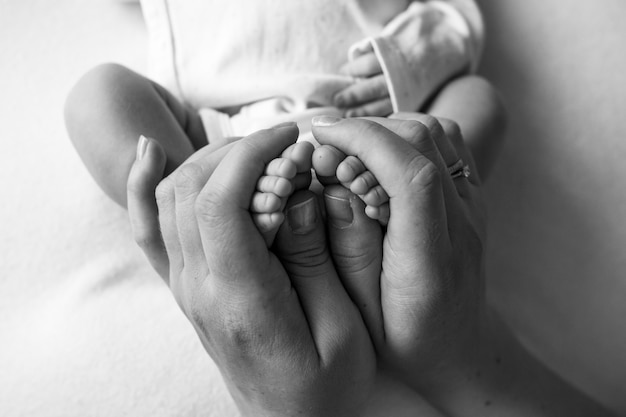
pixel 164 191
pixel 412 130
pixel 450 127
pixel 423 174
pixel 187 174
pixel 432 124
pixel 370 129
pixel 428 120
pixel 187 180
pixel 208 206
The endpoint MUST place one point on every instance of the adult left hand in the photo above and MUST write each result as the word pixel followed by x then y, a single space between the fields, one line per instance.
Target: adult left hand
pixel 280 326
pixel 368 95
pixel 420 285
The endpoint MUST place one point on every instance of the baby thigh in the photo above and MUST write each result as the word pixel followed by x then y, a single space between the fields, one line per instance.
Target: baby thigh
pixel 107 111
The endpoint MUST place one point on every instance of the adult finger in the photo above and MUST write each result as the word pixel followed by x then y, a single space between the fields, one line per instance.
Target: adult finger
pixel 364 65
pixel 472 192
pixel 173 238
pixel 363 91
pixel 453 132
pixel 448 155
pixel 189 179
pixel 447 136
pixel 233 247
pixel 412 181
pixel 422 132
pixel 446 149
pixel 221 148
pixel 144 176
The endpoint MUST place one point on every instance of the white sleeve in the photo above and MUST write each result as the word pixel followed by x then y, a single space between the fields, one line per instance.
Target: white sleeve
pixel 425 46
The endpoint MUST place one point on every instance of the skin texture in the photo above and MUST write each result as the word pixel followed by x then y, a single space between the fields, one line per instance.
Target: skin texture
pixel 264 318
pixel 424 301
pixel 301 328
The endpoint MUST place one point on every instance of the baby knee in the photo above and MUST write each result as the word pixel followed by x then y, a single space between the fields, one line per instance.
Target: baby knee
pixel 100 86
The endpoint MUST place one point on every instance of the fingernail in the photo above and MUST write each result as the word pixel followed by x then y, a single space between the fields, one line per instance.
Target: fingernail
pixel 284 125
pixel 325 120
pixel 341 210
pixel 142 146
pixel 302 216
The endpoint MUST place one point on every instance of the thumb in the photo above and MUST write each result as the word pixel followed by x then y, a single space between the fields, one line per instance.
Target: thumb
pixel 145 174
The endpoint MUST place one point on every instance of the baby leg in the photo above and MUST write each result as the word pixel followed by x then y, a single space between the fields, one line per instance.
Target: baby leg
pixel 477 108
pixel 282 177
pixel 110 108
pixel 333 166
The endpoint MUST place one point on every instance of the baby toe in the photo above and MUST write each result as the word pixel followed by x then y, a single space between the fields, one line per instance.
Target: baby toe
pixel 376 196
pixel 326 159
pixel 349 169
pixel 265 203
pixel 279 186
pixel 268 222
pixel 363 183
pixel 300 153
pixel 380 213
pixel 281 167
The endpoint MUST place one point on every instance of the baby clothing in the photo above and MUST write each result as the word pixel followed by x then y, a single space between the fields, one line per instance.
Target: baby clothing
pixel 247 65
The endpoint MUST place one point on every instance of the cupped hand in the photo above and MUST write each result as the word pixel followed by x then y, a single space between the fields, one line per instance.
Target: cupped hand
pixel 279 325
pixel 144 177
pixel 368 95
pixel 421 289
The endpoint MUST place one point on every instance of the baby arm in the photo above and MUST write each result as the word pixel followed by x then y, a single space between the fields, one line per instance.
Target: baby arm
pixel 110 108
pixel 469 101
pixel 416 53
pixel 369 94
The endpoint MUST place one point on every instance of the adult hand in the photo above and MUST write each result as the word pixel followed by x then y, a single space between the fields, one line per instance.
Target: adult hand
pixel 281 328
pixel 421 291
pixel 144 177
pixel 368 95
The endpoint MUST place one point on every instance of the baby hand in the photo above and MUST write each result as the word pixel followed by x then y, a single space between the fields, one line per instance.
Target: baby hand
pixel 369 95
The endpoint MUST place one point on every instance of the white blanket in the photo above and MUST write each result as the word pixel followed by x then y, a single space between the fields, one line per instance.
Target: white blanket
pixel 86 329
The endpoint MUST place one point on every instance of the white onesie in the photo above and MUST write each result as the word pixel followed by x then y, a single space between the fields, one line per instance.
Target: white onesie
pixel 250 64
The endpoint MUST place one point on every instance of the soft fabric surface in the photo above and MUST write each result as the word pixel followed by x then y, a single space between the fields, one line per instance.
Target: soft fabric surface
pixel 87 329
pixel 215 54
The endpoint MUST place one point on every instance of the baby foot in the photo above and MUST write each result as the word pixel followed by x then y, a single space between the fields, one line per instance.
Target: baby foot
pixel 282 177
pixel 333 166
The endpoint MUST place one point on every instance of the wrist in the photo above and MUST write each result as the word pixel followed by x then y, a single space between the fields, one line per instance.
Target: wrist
pixel 502 378
pixel 464 382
